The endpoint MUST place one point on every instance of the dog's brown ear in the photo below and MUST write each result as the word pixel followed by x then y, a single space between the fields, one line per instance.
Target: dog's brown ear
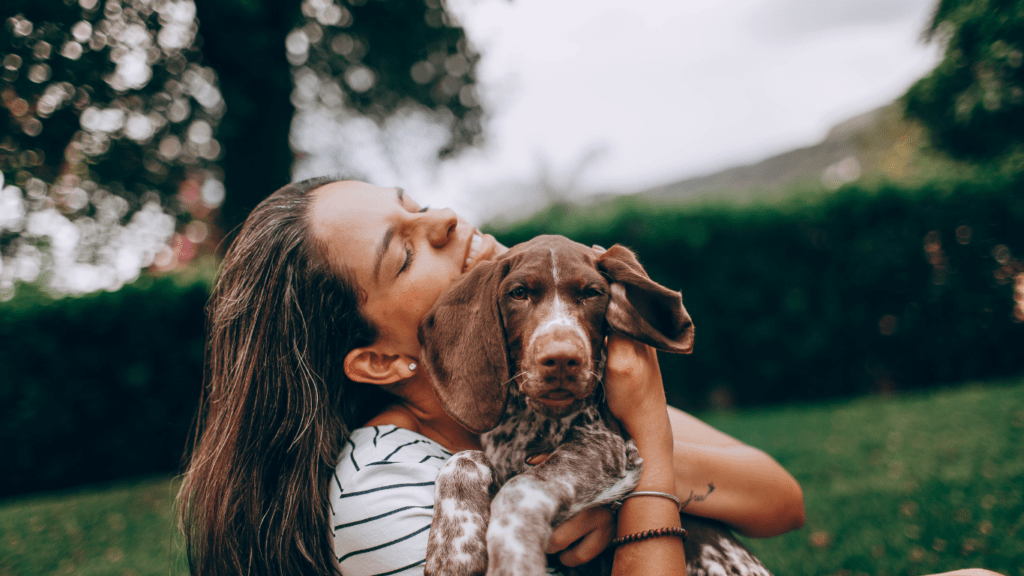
pixel 462 345
pixel 641 308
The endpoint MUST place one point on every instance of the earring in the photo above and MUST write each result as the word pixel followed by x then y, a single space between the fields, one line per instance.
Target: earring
pixel 412 366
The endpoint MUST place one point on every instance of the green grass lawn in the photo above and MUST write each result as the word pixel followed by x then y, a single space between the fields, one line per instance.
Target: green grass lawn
pixel 908 485
pixel 125 529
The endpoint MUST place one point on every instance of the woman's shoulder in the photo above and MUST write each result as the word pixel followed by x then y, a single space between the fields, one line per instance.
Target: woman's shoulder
pixel 377 457
pixel 382 499
pixel 387 445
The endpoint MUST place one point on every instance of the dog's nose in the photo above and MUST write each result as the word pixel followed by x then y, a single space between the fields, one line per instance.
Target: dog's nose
pixel 559 356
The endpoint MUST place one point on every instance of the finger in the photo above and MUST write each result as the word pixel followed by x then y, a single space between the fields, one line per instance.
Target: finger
pixel 579 526
pixel 588 547
pixel 564 534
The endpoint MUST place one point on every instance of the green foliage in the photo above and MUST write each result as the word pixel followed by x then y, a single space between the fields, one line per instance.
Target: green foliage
pixel 892 486
pixel 99 387
pixel 865 291
pixel 973 102
pixel 915 485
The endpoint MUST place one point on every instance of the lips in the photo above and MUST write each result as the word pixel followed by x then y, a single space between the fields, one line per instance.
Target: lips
pixel 475 242
pixel 480 247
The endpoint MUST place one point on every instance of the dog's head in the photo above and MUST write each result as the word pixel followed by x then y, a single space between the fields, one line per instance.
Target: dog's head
pixel 536 318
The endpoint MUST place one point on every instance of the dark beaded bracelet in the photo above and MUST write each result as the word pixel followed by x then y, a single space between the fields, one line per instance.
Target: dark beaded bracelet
pixel 653 533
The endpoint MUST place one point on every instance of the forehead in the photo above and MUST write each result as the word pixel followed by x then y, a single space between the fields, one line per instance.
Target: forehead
pixel 556 256
pixel 349 202
pixel 350 218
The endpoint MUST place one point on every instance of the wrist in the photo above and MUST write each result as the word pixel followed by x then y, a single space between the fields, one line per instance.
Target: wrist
pixel 653 438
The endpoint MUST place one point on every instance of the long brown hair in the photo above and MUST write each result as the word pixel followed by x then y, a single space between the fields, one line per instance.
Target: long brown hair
pixel 276 406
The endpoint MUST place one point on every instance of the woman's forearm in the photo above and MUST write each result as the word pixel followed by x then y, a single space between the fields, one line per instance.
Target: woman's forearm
pixel 739 485
pixel 724 479
pixel 662 555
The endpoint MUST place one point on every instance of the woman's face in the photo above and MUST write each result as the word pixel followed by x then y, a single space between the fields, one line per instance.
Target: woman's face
pixel 400 254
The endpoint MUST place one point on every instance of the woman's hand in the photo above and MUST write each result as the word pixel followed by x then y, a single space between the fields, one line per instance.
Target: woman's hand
pixel 581 538
pixel 633 386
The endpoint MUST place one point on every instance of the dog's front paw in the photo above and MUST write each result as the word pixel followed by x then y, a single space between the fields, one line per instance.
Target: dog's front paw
pixel 510 555
pixel 452 558
pixel 457 544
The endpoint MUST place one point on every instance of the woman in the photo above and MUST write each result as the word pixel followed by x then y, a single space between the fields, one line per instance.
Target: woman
pixel 313 332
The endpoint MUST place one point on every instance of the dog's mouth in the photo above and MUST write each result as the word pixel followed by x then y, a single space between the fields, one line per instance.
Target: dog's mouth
pixel 557 402
pixel 560 398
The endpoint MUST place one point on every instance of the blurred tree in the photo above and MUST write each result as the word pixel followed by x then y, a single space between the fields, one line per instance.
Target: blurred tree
pixel 117 111
pixel 973 102
pixel 371 56
pixel 109 137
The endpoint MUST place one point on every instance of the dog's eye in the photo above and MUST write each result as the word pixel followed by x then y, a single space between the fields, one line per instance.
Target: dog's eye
pixel 518 293
pixel 591 292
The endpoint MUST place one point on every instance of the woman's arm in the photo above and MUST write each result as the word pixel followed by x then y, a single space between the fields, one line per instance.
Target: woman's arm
pixel 752 493
pixel 636 397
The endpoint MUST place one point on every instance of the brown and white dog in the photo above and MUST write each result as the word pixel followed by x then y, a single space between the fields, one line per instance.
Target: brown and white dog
pixel 515 350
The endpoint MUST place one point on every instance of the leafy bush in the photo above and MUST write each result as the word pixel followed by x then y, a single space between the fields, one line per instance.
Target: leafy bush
pixel 98 387
pixel 863 291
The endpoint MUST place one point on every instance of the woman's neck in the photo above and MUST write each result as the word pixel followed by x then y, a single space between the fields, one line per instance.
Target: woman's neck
pixel 419 410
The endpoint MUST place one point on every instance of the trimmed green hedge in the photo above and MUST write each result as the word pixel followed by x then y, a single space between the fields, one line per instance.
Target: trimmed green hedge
pixel 861 291
pixel 99 387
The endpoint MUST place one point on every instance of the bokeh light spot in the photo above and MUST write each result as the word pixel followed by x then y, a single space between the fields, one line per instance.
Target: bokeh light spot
pixel 422 72
pixel 360 78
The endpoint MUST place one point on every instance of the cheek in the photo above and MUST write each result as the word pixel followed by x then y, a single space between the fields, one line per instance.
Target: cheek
pixel 419 297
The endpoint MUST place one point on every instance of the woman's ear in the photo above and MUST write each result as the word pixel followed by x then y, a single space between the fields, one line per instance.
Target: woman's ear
pixel 371 366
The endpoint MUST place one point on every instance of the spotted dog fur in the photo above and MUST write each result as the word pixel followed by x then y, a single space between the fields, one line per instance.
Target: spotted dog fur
pixel 462 503
pixel 515 351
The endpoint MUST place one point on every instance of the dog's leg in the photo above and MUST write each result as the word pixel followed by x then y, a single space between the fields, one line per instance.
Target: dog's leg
pixel 573 478
pixel 457 545
pixel 522 513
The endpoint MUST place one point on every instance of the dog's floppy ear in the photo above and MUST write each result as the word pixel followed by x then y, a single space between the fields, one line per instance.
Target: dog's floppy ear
pixel 462 343
pixel 641 308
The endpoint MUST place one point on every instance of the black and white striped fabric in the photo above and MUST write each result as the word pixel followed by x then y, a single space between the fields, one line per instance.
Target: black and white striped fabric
pixel 382 501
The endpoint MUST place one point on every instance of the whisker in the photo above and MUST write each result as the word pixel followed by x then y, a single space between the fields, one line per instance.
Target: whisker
pixel 514 377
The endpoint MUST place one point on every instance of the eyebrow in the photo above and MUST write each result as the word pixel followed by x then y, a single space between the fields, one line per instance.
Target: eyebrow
pixel 385 242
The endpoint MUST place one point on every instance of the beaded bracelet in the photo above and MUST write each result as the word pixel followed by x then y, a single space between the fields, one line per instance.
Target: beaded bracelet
pixel 653 533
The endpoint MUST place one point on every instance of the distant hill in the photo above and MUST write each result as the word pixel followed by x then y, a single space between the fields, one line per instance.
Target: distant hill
pixel 880 145
pixel 877 145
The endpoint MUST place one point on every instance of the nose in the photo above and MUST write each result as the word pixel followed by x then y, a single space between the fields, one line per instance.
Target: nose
pixel 440 226
pixel 560 357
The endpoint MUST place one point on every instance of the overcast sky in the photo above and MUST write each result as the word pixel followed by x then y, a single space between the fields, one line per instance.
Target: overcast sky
pixel 653 91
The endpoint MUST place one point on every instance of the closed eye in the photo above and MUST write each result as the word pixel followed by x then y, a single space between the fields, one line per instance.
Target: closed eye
pixel 409 255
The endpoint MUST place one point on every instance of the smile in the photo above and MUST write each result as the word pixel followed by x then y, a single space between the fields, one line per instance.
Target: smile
pixel 474 249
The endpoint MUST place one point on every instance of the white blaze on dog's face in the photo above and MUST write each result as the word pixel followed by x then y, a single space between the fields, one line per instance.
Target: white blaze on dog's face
pixel 553 310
